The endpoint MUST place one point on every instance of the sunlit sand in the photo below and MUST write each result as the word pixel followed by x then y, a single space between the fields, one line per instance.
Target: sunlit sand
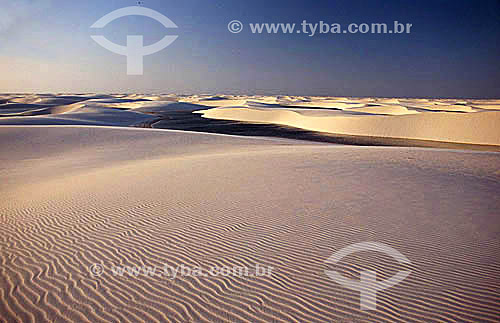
pixel 80 186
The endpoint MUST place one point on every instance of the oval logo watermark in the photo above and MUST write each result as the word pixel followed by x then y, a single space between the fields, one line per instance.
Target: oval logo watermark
pixel 368 286
pixel 135 50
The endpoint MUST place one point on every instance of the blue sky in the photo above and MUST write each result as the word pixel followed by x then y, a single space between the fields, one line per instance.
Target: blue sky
pixel 452 51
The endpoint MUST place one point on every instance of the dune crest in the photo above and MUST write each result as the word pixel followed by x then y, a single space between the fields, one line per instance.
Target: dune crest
pixel 445 120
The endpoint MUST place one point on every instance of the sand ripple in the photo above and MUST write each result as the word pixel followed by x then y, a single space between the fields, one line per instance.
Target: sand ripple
pixel 77 196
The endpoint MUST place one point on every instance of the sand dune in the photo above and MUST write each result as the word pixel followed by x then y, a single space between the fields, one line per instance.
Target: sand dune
pixel 386 110
pixel 76 196
pixel 448 120
pixel 32 110
pixel 472 128
pixel 445 120
pixel 89 110
pixel 84 115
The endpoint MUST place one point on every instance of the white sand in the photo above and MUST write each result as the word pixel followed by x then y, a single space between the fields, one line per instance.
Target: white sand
pixel 471 128
pixel 75 196
pixel 458 121
pixel 448 120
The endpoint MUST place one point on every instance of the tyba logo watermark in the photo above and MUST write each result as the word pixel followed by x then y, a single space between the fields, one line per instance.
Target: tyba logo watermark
pixel 368 285
pixel 135 50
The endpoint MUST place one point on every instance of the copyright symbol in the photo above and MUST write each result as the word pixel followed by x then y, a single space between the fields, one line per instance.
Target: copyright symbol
pixel 235 26
pixel 96 270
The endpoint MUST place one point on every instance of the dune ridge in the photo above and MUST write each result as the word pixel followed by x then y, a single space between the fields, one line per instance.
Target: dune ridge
pixel 473 128
pixel 465 121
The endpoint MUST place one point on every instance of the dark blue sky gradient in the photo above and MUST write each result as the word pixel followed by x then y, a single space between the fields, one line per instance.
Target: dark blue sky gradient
pixel 452 51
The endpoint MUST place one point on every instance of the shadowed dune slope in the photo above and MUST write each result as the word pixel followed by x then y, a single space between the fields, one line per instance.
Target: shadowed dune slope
pixel 470 128
pixel 473 122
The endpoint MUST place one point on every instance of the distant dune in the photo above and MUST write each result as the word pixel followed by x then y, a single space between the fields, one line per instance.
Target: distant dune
pixel 471 128
pixel 437 120
pixel 445 120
